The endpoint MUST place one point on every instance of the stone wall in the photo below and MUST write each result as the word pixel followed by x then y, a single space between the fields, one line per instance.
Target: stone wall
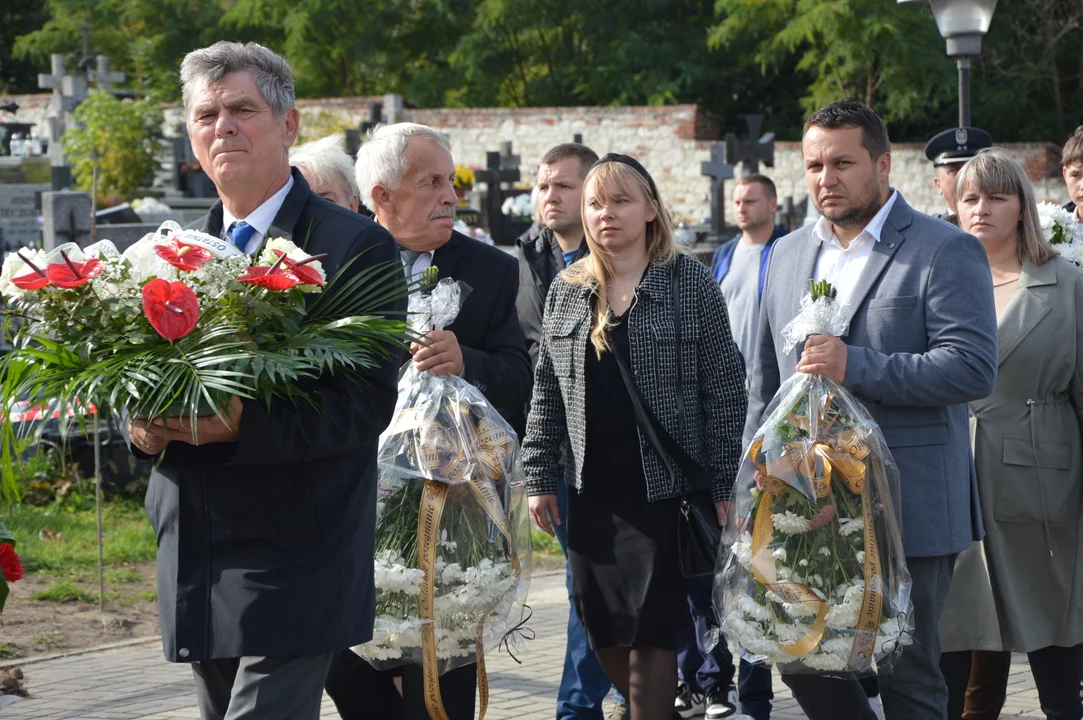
pixel 671 141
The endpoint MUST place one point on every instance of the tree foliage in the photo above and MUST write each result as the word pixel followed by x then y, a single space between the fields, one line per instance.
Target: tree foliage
pixel 780 58
pixel 121 137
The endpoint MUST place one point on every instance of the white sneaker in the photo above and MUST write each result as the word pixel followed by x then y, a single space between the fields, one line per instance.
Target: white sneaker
pixel 688 704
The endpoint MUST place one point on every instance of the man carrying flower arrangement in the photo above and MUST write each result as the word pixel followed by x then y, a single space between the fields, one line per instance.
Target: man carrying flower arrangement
pixel 921 343
pixel 265 515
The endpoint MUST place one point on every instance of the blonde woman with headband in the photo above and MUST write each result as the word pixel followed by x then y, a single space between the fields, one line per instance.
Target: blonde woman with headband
pixel 1021 588
pixel 613 307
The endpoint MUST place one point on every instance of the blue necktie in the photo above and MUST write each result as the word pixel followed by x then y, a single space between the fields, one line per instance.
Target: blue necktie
pixel 240 233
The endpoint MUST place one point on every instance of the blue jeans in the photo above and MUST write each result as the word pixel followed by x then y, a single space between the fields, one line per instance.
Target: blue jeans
pixel 702 670
pixel 584 684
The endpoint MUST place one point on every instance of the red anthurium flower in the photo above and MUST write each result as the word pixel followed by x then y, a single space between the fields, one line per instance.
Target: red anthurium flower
pixel 272 278
pixel 182 255
pixel 275 278
pixel 10 565
pixel 308 274
pixel 171 307
pixel 35 280
pixel 70 274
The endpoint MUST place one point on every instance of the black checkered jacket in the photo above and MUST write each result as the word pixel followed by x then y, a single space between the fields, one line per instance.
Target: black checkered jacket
pixel 715 397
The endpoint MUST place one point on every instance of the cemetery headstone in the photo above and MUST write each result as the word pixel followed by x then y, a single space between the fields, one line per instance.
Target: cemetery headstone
pixel 67 218
pixel 500 167
pixel 750 148
pixel 103 76
pixel 19 212
pixel 68 92
pixel 719 170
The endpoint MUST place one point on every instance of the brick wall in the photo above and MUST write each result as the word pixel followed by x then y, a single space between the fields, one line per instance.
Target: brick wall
pixel 671 141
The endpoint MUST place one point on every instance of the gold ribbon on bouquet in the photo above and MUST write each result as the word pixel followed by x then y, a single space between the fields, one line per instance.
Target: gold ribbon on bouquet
pixel 433 500
pixel 842 454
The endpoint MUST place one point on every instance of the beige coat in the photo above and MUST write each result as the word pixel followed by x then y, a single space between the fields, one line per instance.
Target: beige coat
pixel 1021 588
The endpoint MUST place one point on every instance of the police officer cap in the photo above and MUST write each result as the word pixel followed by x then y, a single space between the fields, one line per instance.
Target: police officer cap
pixel 957 145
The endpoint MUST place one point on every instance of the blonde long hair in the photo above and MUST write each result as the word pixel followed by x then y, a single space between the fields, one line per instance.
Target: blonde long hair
pixel 994 171
pixel 595 270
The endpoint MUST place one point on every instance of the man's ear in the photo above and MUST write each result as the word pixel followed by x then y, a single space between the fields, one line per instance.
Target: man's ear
pixel 383 199
pixel 293 127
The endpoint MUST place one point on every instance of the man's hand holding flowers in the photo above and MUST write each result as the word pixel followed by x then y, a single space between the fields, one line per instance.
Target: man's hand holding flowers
pixel 152 437
pixel 824 355
pixel 442 356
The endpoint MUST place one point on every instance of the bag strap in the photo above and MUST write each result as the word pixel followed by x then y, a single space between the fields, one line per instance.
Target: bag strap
pixel 656 435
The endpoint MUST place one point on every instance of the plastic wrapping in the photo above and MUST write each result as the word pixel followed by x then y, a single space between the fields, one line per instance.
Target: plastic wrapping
pixel 813 575
pixel 452 526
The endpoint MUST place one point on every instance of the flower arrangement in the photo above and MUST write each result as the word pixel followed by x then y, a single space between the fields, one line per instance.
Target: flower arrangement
pixel 519 206
pixel 11 568
pixel 814 577
pixel 1063 231
pixel 464 178
pixel 452 530
pixel 182 321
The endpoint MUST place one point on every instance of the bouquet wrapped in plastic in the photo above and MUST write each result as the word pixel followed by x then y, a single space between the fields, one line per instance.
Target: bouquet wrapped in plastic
pixel 812 575
pixel 452 527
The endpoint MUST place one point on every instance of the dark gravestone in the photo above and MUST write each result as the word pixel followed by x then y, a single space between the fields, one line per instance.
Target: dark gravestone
pixel 354 138
pixel 749 148
pixel 500 167
pixel 719 170
pixel 20 207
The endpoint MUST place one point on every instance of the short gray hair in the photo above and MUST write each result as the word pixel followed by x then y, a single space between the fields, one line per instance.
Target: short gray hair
pixel 326 159
pixel 274 80
pixel 382 160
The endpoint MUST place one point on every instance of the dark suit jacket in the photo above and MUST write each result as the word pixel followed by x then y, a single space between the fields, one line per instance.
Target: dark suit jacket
pixel 495 359
pixel 265 545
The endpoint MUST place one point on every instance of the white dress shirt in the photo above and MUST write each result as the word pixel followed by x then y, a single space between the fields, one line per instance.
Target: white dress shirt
pixel 421 263
pixel 842 267
pixel 260 218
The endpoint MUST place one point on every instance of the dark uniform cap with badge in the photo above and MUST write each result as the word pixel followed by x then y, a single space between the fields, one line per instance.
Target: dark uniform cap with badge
pixel 957 145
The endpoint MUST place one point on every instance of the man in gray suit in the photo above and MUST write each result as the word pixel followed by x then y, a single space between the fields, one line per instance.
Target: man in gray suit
pixel 922 343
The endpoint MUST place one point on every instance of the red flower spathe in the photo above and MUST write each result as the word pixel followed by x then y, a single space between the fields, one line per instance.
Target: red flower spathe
pixel 31 281
pixel 70 274
pixel 273 278
pixel 10 564
pixel 307 274
pixel 171 307
pixel 182 255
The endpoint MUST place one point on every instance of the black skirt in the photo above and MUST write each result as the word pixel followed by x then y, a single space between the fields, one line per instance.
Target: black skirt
pixel 622 549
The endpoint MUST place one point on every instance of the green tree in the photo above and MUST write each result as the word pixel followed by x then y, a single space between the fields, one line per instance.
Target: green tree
pixel 121 137
pixel 867 50
pixel 18 75
pixel 147 39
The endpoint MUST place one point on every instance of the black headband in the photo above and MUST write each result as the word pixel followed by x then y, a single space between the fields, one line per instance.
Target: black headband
pixel 632 163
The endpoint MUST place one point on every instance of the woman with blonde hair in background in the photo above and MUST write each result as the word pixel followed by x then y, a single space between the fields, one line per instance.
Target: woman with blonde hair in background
pixel 634 301
pixel 1021 588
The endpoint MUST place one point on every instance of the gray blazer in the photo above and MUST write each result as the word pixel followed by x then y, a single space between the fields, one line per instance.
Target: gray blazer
pixel 922 344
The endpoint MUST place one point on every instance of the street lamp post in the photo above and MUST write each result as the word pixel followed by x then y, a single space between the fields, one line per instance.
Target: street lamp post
pixel 962 23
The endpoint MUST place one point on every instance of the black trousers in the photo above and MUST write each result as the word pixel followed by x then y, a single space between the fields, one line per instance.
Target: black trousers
pixel 361 692
pixel 1056 673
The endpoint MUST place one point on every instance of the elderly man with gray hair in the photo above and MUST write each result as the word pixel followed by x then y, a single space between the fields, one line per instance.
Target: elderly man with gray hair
pixel 265 518
pixel 406 175
pixel 328 170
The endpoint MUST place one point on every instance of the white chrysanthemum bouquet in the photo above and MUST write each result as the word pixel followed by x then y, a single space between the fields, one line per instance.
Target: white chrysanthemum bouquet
pixel 814 577
pixel 181 321
pixel 1063 231
pixel 452 528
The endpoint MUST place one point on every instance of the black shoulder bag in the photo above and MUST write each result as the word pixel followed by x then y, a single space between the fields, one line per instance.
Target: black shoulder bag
pixel 698 532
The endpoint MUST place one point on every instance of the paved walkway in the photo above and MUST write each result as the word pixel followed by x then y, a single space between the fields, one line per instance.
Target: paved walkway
pixel 135 682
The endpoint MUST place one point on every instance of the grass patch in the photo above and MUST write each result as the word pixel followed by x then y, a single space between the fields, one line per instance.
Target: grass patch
pixel 8 651
pixel 118 576
pixel 60 540
pixel 543 543
pixel 150 596
pixel 64 591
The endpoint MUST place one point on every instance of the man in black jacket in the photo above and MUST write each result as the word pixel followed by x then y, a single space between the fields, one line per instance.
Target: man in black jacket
pixel 405 174
pixel 265 522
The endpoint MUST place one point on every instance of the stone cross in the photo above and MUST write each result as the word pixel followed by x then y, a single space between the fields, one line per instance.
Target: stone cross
pixel 719 170
pixel 393 107
pixel 500 167
pixel 750 148
pixel 103 76
pixel 68 92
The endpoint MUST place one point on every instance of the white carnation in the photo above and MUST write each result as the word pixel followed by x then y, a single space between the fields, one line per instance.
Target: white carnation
pixel 790 523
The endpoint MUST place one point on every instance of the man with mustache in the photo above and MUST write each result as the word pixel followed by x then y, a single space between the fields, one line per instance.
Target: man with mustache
pixel 405 174
pixel 921 344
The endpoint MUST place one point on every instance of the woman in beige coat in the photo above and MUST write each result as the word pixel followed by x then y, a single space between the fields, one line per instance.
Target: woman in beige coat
pixel 1021 589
